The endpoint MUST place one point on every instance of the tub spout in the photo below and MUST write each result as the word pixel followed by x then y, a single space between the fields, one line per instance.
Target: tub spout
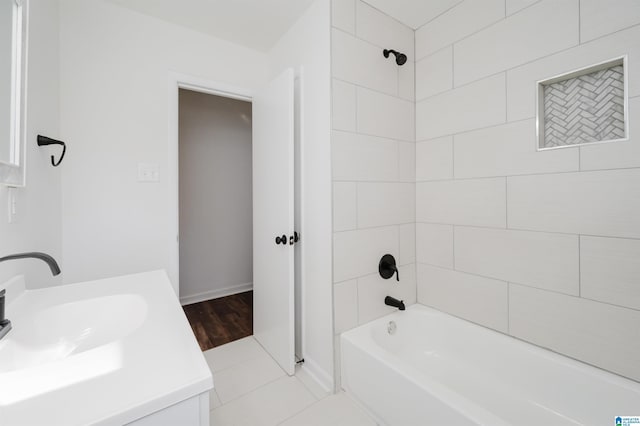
pixel 390 301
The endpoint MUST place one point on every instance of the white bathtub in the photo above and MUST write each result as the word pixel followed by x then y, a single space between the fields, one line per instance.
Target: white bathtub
pixel 439 370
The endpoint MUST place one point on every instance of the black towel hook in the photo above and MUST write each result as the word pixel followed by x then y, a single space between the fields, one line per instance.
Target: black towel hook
pixel 44 141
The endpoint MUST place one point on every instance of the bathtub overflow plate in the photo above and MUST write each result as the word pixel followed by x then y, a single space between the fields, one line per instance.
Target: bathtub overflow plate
pixel 391 327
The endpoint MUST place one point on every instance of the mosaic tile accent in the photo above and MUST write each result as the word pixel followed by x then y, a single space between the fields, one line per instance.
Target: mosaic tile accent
pixel 583 109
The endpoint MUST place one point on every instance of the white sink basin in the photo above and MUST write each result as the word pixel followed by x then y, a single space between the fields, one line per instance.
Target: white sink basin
pixel 68 329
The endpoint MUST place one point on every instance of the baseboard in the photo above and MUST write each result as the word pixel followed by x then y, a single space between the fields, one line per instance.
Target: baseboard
pixel 216 293
pixel 313 370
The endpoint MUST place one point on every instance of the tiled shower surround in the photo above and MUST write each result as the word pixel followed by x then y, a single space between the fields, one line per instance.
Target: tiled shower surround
pixel 541 245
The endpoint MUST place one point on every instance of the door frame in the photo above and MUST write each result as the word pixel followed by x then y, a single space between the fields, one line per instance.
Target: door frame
pixel 179 81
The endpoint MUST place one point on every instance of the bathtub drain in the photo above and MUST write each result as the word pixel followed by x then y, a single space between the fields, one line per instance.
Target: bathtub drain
pixel 391 327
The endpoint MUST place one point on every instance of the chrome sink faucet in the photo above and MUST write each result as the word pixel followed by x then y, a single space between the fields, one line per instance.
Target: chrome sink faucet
pixel 5 324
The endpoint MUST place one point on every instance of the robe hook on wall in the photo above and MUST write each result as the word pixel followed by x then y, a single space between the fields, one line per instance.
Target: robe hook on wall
pixel 44 141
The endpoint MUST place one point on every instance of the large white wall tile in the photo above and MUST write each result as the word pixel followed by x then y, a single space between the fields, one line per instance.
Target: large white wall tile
pixel 477 105
pixel 383 31
pixel 507 150
pixel 434 73
pixel 597 333
pixel 518 39
pixel 361 63
pixel 457 23
pixel 381 204
pixel 478 202
pixel 434 159
pixel 617 155
pixel 605 203
pixel 548 261
pixel 357 253
pixel 364 158
pixel 434 244
pixel 406 161
pixel 385 116
pixel 521 81
pixel 372 290
pixel 610 270
pixel 343 106
pixel 478 299
pixel 343 15
pixel 598 17
pixel 514 6
pixel 345 305
pixel 407 244
pixel 344 206
pixel 407 80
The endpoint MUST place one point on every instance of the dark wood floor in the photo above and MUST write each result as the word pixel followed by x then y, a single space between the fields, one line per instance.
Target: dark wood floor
pixel 219 321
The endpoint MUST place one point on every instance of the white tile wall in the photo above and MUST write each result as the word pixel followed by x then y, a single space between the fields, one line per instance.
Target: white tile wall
pixel 547 261
pixel 521 81
pixel 406 161
pixel 484 301
pixel 507 150
pixel 603 203
pixel 457 23
pixel 477 105
pixel 357 253
pixel 372 290
pixel 478 202
pixel 616 155
pixel 610 270
pixel 407 244
pixel 381 204
pixel 598 17
pixel 364 158
pixel 383 31
pixel 344 206
pixel 353 60
pixel 343 15
pixel 434 159
pixel 345 305
pixel 343 106
pixel 576 294
pixel 514 6
pixel 434 73
pixel 384 115
pixel 577 327
pixel 500 46
pixel 434 244
pixel 406 81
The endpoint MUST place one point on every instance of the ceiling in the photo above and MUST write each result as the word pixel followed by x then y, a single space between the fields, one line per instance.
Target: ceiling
pixel 259 24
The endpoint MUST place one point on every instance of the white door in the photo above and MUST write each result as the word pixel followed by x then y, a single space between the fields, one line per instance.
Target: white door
pixel 273 219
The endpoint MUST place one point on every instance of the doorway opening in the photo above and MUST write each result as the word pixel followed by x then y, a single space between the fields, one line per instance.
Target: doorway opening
pixel 215 216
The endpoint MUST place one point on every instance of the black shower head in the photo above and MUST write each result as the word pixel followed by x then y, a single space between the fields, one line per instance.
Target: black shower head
pixel 401 58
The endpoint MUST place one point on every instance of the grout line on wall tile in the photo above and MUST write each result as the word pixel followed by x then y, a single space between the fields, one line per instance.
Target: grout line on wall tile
pixel 579 266
pixel 579 21
pixel 370 89
pixel 370 43
pixel 453 247
pixel 506 202
pixel 508 309
pixel 439 15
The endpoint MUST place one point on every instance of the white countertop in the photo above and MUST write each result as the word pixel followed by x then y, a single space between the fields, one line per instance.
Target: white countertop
pixel 135 354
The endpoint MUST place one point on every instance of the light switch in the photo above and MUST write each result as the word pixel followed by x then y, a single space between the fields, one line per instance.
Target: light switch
pixel 148 172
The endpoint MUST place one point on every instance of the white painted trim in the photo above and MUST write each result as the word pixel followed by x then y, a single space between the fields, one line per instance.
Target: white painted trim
pixel 313 370
pixel 216 293
pixel 178 81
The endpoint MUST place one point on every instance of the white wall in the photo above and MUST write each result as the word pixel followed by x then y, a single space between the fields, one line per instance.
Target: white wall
pixel 541 245
pixel 305 47
pixel 373 151
pixel 38 225
pixel 115 67
pixel 216 214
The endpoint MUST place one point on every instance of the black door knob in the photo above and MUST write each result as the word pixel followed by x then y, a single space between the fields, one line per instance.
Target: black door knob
pixel 281 240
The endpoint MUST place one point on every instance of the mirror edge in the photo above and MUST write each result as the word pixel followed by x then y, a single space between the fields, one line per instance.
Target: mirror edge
pixel 12 175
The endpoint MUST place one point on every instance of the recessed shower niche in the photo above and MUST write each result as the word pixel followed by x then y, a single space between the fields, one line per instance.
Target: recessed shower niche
pixel 585 106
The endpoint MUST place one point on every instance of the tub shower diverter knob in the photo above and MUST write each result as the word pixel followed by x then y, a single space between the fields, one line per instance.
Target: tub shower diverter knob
pixel 387 267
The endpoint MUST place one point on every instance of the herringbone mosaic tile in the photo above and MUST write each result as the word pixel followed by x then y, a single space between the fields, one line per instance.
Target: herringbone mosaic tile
pixel 587 108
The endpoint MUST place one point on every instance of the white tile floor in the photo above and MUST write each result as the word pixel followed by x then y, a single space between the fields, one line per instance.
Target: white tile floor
pixel 252 390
